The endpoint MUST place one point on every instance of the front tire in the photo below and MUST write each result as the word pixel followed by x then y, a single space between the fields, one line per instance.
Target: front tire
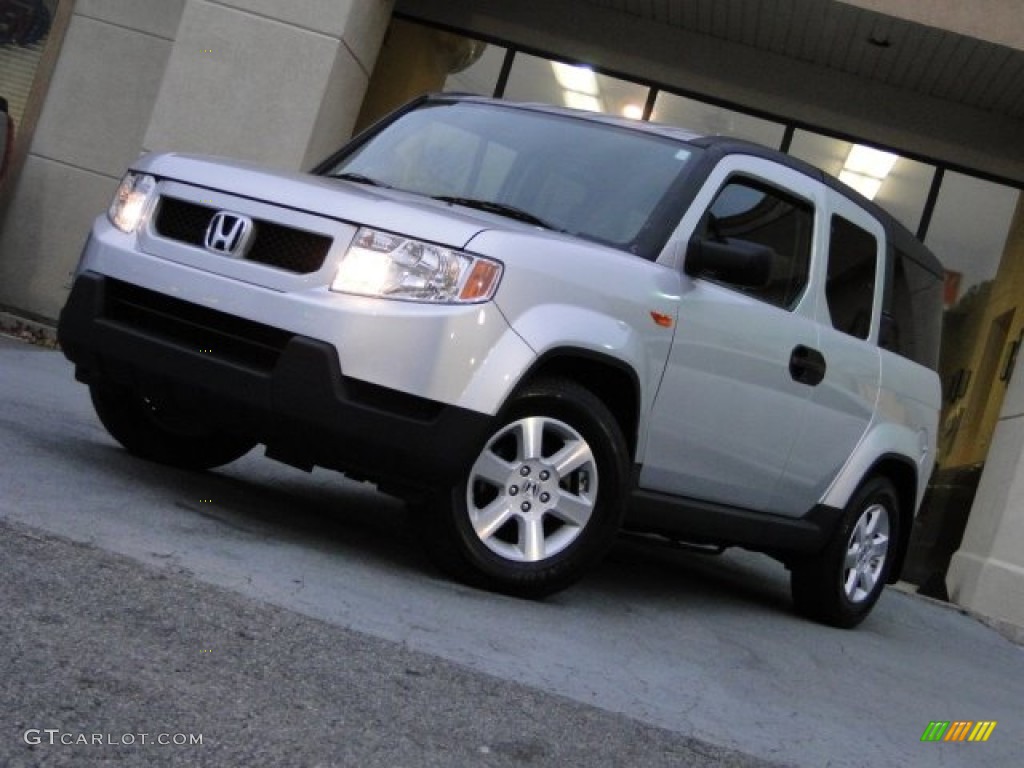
pixel 155 429
pixel 542 502
pixel 841 585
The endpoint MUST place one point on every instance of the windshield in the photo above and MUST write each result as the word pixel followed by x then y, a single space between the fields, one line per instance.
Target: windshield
pixel 602 182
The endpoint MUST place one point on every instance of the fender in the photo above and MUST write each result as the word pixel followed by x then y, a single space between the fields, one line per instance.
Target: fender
pixel 558 329
pixel 564 294
pixel 882 442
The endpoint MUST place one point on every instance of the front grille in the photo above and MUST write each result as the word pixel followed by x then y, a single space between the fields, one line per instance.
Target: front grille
pixel 184 222
pixel 294 250
pixel 195 327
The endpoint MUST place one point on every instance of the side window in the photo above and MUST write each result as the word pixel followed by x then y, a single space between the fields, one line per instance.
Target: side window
pixel 912 312
pixel 750 211
pixel 850 285
pixel 897 329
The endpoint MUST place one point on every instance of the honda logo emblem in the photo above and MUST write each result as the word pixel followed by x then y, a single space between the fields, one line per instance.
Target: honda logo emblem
pixel 228 233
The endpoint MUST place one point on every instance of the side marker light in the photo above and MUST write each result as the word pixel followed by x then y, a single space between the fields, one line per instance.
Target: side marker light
pixel 661 320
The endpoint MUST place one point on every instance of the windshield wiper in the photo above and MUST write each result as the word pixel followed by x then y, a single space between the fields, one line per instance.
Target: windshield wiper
pixel 359 178
pixel 502 209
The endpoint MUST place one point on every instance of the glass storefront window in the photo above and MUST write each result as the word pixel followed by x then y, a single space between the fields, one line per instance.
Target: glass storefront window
pixel 481 76
pixel 24 29
pixel 704 118
pixel 898 184
pixel 552 82
pixel 969 228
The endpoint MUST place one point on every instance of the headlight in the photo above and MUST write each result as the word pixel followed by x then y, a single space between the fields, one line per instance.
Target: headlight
pixel 392 266
pixel 131 201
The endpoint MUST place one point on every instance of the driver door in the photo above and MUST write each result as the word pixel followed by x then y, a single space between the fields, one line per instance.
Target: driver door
pixel 741 369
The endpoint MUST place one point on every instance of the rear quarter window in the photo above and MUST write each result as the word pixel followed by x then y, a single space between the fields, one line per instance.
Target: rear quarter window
pixel 912 312
pixel 850 284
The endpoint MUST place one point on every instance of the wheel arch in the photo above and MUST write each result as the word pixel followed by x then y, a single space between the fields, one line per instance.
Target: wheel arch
pixel 611 380
pixel 902 473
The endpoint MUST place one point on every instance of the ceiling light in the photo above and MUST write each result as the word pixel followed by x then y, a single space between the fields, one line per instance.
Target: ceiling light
pixel 866 168
pixel 633 111
pixel 869 161
pixel 573 78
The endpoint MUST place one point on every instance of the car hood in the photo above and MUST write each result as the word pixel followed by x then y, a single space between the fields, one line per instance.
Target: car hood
pixel 389 209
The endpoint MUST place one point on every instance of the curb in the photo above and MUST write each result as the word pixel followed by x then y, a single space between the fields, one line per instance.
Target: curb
pixel 1012 632
pixel 32 331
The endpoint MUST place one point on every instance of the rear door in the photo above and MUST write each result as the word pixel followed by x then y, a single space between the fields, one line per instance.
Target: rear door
pixel 843 405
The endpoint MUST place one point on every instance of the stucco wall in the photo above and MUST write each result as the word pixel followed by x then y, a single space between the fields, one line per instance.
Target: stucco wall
pixel 92 125
pixel 278 83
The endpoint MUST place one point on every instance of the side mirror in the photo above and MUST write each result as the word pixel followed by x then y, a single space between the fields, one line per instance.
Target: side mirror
pixel 731 260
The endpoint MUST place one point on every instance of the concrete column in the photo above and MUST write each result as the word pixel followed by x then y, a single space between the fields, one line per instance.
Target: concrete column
pixel 91 126
pixel 987 573
pixel 276 83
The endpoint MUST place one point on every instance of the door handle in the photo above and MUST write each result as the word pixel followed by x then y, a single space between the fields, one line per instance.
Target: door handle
pixel 807 365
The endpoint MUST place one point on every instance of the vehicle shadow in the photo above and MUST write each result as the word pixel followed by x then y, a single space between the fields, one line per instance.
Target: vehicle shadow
pixel 326 512
pixel 670 573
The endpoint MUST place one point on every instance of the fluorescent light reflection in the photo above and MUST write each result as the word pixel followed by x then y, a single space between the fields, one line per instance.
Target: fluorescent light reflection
pixel 633 111
pixel 579 86
pixel 573 78
pixel 866 169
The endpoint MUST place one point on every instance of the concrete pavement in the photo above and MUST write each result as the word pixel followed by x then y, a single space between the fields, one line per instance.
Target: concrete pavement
pixel 108 660
pixel 704 648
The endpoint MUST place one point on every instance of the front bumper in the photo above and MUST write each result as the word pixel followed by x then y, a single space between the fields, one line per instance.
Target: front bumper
pixel 282 389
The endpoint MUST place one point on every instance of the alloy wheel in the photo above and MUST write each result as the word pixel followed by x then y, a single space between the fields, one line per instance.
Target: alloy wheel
pixel 532 490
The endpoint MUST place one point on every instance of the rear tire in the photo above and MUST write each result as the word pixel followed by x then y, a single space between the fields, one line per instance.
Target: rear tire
pixel 841 585
pixel 153 429
pixel 542 502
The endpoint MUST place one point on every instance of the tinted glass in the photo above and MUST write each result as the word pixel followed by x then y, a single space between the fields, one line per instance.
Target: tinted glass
pixel 850 285
pixel 751 211
pixel 912 314
pixel 602 182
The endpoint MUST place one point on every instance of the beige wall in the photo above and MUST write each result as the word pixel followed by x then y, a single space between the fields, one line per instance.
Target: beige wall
pixel 278 83
pixel 91 127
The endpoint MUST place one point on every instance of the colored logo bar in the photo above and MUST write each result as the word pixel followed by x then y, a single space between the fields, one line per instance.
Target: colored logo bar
pixel 958 730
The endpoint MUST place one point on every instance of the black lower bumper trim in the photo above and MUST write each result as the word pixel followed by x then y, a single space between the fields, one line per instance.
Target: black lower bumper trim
pixel 300 404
